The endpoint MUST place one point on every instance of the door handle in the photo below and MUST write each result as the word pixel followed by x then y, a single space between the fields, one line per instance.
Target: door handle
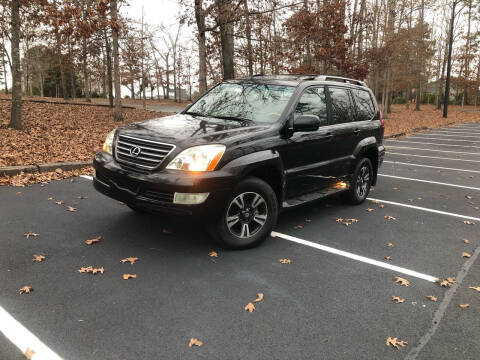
pixel 356 131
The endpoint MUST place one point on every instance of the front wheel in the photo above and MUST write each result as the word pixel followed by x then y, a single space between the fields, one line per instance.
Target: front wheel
pixel 361 182
pixel 249 217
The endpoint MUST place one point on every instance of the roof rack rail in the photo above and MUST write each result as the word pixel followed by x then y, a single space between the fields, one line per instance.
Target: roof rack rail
pixel 340 79
pixel 286 75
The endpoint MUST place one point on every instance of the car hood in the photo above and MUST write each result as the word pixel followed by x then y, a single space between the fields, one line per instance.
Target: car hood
pixel 194 130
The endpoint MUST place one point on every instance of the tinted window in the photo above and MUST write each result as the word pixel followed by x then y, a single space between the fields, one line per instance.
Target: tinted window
pixel 364 103
pixel 313 102
pixel 341 105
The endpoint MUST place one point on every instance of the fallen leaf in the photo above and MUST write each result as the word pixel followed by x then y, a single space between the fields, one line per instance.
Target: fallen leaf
pixel 29 353
pixel 469 197
pixel 59 171
pixel 308 220
pixel 91 269
pixel 339 220
pixel 194 342
pixel 419 198
pixel 402 281
pixel 259 297
pixel 93 241
pixel 464 306
pixel 298 227
pixel 395 188
pixel 59 202
pixel 466 255
pixel 129 276
pixel 375 201
pixel 121 203
pixel 250 307
pixel 129 259
pixel 466 241
pixel 389 244
pixel 397 299
pixel 390 217
pixel 38 258
pixel 285 261
pixel 446 282
pixel 27 235
pixel 469 222
pixel 50 198
pixel 353 221
pixel 26 290
pixel 81 197
pixel 431 298
pixel 395 343
pixel 369 210
pixel 477 288
pixel 213 254
pixel 388 258
pixel 71 209
pixel 381 206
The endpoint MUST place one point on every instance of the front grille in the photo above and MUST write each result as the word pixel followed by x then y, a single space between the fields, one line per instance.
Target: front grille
pixel 150 156
pixel 158 196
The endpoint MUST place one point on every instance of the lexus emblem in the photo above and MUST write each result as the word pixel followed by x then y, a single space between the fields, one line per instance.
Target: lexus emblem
pixel 135 151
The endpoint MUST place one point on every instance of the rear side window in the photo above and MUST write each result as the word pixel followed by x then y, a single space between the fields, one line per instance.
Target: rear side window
pixel 313 102
pixel 365 106
pixel 341 105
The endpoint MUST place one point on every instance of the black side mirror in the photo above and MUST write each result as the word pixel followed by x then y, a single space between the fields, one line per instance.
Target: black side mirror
pixel 306 123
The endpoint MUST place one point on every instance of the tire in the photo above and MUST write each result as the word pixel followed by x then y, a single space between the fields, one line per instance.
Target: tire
pixel 361 182
pixel 245 227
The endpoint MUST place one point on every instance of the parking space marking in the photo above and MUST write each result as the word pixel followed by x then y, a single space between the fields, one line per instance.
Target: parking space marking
pixel 430 166
pixel 446 151
pixel 460 216
pixel 429 138
pixel 428 143
pixel 459 135
pixel 432 157
pixel 457 131
pixel 23 339
pixel 86 177
pixel 430 182
pixel 349 255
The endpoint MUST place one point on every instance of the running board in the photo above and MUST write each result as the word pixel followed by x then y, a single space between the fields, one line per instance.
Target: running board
pixel 316 195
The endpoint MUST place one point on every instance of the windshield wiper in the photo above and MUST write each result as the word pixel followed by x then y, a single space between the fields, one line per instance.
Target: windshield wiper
pixel 195 113
pixel 234 118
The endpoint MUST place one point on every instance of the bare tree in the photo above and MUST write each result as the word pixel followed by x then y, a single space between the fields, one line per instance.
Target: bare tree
pixel 116 66
pixel 16 112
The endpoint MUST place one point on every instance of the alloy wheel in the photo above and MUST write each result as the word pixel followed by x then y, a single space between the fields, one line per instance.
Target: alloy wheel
pixel 246 214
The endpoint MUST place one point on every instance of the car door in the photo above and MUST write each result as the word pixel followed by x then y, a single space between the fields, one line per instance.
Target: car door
pixel 306 155
pixel 365 114
pixel 343 128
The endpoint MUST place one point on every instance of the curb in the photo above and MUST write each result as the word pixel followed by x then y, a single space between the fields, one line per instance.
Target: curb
pixel 423 128
pixel 15 170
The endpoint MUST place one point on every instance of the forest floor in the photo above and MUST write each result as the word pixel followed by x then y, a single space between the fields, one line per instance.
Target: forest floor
pixel 60 133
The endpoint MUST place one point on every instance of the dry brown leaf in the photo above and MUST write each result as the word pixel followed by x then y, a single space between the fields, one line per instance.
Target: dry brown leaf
pixel 129 276
pixel 297 227
pixel 469 222
pixel 308 220
pixel 194 342
pixel 59 202
pixel 250 307
pixel 477 288
pixel 466 241
pixel 398 300
pixel 26 290
pixel 38 258
pixel 388 258
pixel 466 255
pixel 389 244
pixel 402 281
pixel 381 206
pixel 131 260
pixel 29 353
pixel 431 298
pixel 395 188
pixel 94 240
pixel 50 198
pixel 27 235
pixel 97 270
pixel 464 306
pixel 339 220
pixel 419 198
pixel 448 282
pixel 71 209
pixel 285 261
pixel 395 343
pixel 259 297
pixel 369 210
pixel 469 197
pixel 213 254
pixel 91 270
pixel 375 201
pixel 59 171
pixel 390 217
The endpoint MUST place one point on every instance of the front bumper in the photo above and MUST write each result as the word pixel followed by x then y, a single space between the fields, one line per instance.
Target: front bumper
pixel 154 192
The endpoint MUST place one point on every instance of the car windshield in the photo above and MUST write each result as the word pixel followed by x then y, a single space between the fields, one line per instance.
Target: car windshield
pixel 244 102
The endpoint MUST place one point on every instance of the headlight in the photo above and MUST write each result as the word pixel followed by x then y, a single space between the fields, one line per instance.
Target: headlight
pixel 107 145
pixel 198 158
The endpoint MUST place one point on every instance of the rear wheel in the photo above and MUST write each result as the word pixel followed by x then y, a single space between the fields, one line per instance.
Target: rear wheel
pixel 249 217
pixel 361 182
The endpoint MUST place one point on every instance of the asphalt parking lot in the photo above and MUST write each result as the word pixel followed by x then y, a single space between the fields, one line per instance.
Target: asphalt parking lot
pixel 332 301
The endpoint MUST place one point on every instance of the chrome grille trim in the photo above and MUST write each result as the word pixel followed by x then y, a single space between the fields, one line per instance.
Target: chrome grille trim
pixel 151 156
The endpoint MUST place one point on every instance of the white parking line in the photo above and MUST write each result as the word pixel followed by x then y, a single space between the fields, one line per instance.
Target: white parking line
pixel 430 182
pixel 459 131
pixel 349 255
pixel 432 157
pixel 446 151
pixel 86 177
pixel 23 339
pixel 460 136
pixel 430 166
pixel 430 138
pixel 425 209
pixel 428 143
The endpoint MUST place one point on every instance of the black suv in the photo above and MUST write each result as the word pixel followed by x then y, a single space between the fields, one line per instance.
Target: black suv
pixel 247 149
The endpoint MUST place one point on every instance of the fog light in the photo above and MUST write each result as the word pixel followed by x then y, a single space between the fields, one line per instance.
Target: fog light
pixel 340 185
pixel 189 198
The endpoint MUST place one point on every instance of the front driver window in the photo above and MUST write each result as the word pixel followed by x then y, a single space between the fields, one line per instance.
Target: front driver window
pixel 313 102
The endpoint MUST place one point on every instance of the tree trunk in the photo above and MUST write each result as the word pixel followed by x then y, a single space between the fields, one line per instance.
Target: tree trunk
pixel 226 38
pixel 449 61
pixel 85 71
pixel 167 76
pixel 116 66
pixel 420 60
pixel 248 33
pixel 16 111
pixel 202 46
pixel 108 52
pixel 4 71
